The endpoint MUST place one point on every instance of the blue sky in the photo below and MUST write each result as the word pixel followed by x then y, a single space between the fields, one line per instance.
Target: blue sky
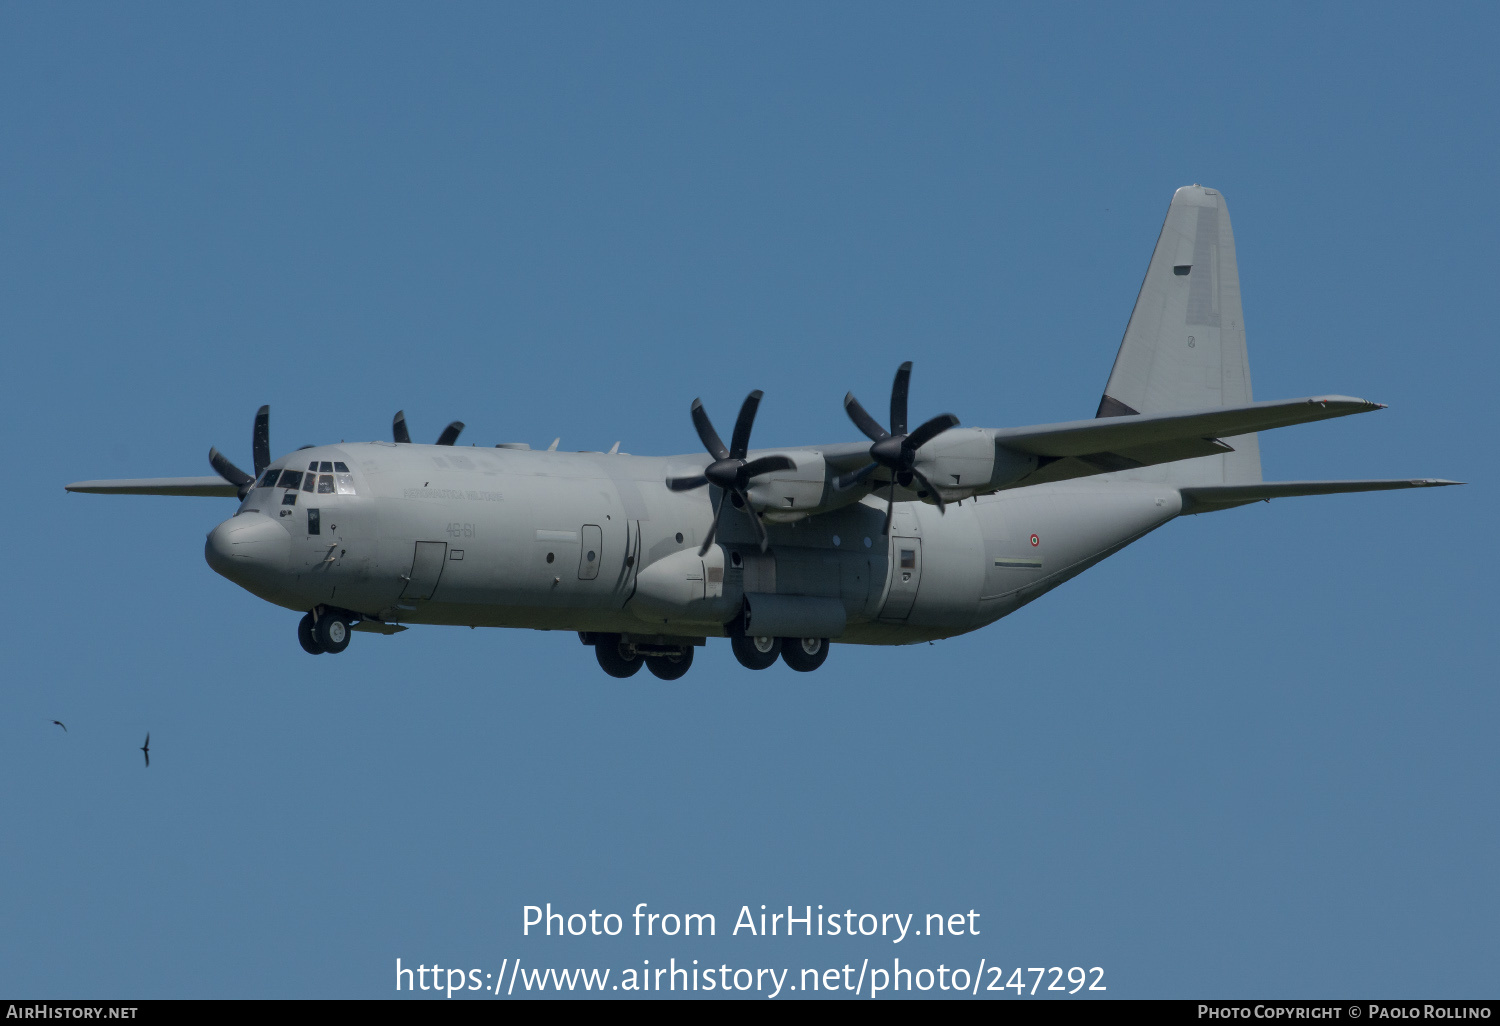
pixel 1253 754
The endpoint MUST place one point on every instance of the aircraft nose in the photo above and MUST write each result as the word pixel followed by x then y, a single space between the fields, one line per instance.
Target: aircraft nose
pixel 248 548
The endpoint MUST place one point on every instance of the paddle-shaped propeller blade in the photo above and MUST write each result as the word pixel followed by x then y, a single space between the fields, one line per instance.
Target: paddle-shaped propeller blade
pixel 729 471
pixel 895 450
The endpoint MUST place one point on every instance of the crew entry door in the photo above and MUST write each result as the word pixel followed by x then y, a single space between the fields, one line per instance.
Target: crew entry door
pixel 906 575
pixel 426 568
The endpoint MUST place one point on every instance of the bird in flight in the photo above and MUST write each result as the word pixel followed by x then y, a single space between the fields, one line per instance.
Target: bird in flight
pixel 61 724
pixel 147 749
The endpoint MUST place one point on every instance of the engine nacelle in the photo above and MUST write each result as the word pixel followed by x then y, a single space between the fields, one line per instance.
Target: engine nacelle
pixel 963 462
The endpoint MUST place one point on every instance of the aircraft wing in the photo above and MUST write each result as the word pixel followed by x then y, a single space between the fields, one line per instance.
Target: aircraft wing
pixel 1208 498
pixel 215 486
pixel 1105 444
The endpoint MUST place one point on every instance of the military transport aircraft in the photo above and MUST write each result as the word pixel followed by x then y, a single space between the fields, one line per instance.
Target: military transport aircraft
pixel 922 532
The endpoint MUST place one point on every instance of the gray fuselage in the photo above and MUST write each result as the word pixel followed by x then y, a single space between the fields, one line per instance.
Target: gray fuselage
pixel 595 542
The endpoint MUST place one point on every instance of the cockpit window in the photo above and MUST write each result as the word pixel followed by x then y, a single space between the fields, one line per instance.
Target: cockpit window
pixel 309 481
pixel 326 468
pixel 291 478
pixel 268 479
pixel 345 482
pixel 341 468
pixel 313 466
pixel 325 484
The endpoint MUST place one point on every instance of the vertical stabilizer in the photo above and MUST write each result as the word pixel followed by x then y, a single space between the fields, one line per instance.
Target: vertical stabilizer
pixel 1184 348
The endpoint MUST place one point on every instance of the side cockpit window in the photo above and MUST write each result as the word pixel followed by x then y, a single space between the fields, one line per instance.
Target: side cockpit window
pixel 291 478
pixel 268 479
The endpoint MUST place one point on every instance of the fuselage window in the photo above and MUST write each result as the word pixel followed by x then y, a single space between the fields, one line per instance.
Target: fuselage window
pixel 908 559
pixel 291 478
pixel 325 484
pixel 345 482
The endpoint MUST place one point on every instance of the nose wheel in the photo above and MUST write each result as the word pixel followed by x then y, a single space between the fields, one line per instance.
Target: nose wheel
pixel 326 633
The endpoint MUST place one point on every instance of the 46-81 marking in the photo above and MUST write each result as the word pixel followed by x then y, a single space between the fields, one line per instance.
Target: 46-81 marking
pixel 460 530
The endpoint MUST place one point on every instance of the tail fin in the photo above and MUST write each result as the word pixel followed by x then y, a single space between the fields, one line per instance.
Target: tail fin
pixel 1185 345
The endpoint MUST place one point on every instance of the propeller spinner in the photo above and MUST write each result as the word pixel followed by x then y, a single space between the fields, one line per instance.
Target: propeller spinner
pixel 730 471
pixel 895 450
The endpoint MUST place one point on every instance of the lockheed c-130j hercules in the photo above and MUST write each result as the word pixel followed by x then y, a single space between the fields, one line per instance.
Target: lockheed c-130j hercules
pixel 924 531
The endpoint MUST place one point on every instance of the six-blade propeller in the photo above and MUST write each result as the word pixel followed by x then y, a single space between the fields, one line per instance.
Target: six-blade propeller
pixel 260 449
pixel 400 434
pixel 895 450
pixel 729 471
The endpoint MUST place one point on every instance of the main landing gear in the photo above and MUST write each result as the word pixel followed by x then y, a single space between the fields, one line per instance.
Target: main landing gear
pixel 328 632
pixel 619 658
pixel 802 654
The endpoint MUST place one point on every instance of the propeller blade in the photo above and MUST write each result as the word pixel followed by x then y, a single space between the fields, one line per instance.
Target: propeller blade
pixel 847 481
pixel 899 389
pixel 706 433
pixel 713 527
pixel 450 433
pixel 739 442
pixel 937 496
pixel 260 440
pixel 229 472
pixel 862 420
pixel 760 528
pixel 398 427
pixel 686 484
pixel 769 464
pixel 930 430
pixel 890 510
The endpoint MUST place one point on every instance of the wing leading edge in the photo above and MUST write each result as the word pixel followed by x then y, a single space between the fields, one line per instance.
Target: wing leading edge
pixel 1099 446
pixel 211 486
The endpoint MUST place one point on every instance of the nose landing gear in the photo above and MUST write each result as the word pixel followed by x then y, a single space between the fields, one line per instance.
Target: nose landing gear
pixel 328 632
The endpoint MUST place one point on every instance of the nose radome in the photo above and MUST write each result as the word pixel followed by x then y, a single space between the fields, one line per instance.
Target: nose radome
pixel 247 547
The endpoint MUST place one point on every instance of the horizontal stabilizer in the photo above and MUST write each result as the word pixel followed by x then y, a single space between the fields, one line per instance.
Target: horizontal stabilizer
pixel 1208 498
pixel 214 486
